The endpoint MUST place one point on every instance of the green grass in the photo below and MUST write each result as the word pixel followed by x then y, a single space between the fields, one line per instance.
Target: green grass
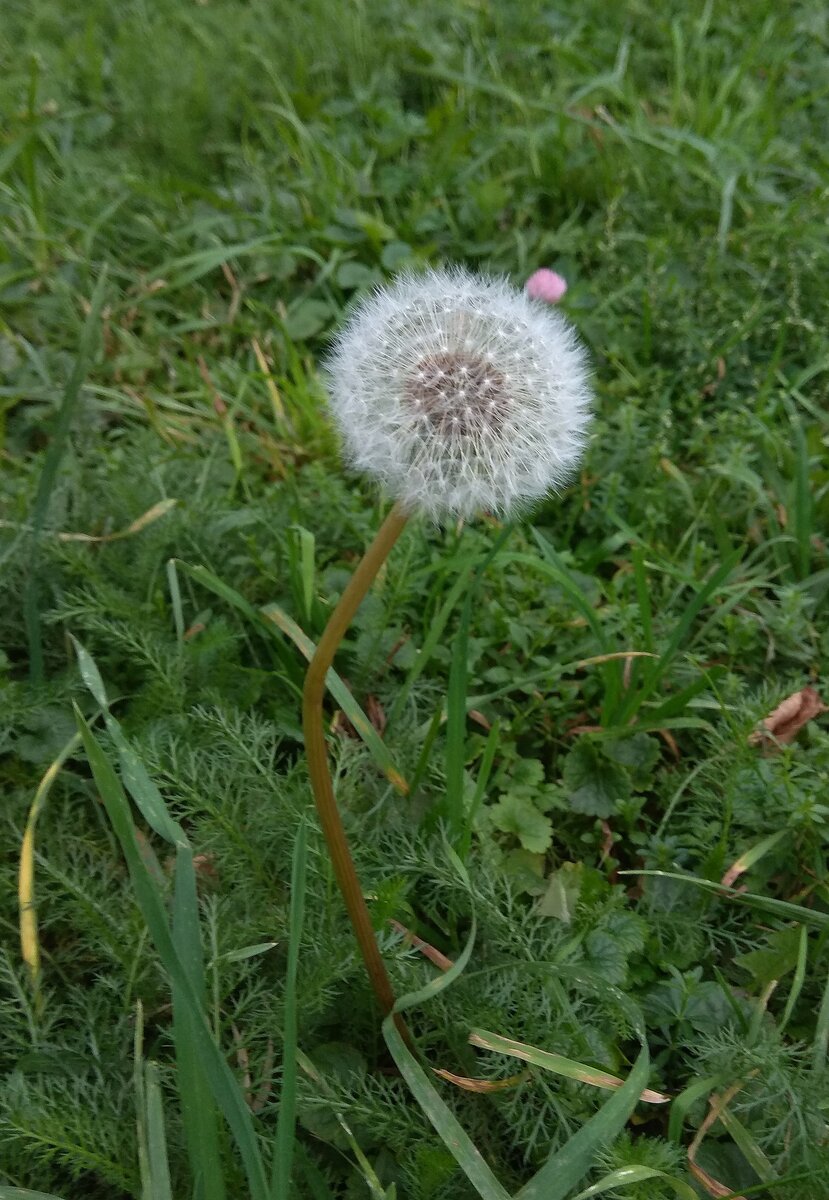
pixel 190 197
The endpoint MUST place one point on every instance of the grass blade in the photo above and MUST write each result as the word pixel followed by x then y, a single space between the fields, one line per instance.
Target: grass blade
pixel 13 1193
pixel 159 1167
pixel 434 635
pixel 198 1107
pixel 636 1174
pixel 29 940
pixel 426 750
pixel 139 1086
pixel 236 600
pixel 484 772
pixel 569 1164
pixel 199 1115
pixel 175 600
pixel 463 1149
pixel 454 1137
pixel 643 597
pixel 752 1153
pixel 272 618
pixel 682 1103
pixel 346 701
pixel 552 566
pixel 375 1188
pixel 136 778
pixel 630 706
pixel 48 474
pixel 567 1067
pixel 221 1079
pixel 286 1124
pixel 747 860
pixel 821 1042
pixel 803 503
pixel 799 977
pixel 457 702
pixel 778 908
pixel 456 725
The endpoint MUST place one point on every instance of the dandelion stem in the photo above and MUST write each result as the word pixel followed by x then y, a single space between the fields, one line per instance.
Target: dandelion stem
pixel 315 749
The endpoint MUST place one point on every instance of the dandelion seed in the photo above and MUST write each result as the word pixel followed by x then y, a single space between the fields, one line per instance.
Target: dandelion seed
pixel 488 420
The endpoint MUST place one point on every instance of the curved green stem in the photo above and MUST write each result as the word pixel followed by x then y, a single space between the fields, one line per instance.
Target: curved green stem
pixel 315 749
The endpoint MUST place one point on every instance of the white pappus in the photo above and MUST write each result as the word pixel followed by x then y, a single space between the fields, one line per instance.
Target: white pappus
pixel 460 393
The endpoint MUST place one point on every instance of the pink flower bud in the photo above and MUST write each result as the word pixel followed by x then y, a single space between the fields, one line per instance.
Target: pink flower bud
pixel 546 285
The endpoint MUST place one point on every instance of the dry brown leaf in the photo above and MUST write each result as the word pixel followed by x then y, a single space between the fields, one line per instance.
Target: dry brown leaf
pixel 482 1085
pixel 784 724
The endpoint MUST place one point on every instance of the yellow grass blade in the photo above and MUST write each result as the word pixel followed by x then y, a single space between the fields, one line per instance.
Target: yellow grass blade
pixel 29 941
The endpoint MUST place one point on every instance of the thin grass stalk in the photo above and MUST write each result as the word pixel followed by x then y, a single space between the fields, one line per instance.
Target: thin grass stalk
pixel 315 749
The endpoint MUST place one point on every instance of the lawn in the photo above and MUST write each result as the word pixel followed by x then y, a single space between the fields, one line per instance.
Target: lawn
pixel 580 858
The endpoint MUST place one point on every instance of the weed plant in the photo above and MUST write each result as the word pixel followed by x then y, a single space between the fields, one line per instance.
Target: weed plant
pixel 190 198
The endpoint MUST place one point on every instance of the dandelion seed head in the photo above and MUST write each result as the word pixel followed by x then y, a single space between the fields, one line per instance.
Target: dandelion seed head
pixel 460 393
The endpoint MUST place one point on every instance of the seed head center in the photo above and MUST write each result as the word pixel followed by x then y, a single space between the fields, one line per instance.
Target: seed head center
pixel 457 393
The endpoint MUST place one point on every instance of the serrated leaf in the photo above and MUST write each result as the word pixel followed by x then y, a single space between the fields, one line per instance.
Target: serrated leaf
pixel 594 785
pixel 639 752
pixel 517 815
pixel 609 946
pixel 525 871
pixel 526 775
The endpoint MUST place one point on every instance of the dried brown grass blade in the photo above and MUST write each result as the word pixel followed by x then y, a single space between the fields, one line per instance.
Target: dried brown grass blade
pixel 482 1085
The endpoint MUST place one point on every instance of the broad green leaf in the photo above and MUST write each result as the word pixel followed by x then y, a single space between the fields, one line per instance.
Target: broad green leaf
pixel 518 815
pixel 594 785
pixel 639 753
pixel 356 275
